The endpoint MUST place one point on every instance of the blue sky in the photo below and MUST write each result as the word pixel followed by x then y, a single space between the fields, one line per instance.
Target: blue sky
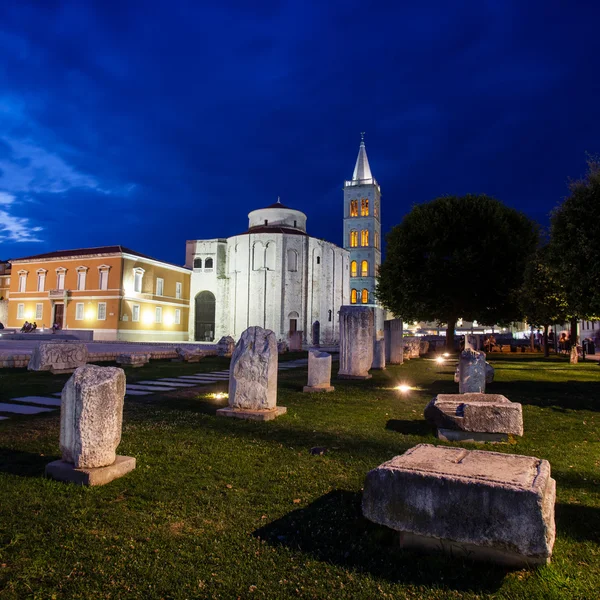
pixel 149 123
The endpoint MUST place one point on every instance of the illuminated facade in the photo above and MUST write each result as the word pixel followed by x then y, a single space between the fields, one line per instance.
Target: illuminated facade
pixel 116 292
pixel 4 290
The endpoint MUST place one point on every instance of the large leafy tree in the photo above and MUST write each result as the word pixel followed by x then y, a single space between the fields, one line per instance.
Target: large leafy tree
pixel 457 257
pixel 575 246
pixel 542 297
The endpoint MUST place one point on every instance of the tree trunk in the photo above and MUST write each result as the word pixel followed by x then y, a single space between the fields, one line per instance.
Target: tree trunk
pixel 532 339
pixel 573 359
pixel 450 335
pixel 546 347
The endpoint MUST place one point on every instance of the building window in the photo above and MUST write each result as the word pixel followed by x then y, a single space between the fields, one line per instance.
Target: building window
pixel 22 282
pixel 79 311
pixel 101 311
pixel 295 225
pixel 376 209
pixel 377 240
pixel 330 315
pixel 266 221
pixel 208 264
pixel 158 314
pixel 353 269
pixel 354 208
pixel 41 281
pixel 178 290
pixel 292 260
pixel 160 286
pixel 81 275
pixel 364 268
pixel 135 313
pixel 20 311
pixel 138 274
pixel 318 260
pixel 364 207
pixel 353 239
pixel 364 237
pixel 197 263
pixel 60 279
pixel 364 298
pixel 39 312
pixel 353 297
pixel 103 278
pixel 177 316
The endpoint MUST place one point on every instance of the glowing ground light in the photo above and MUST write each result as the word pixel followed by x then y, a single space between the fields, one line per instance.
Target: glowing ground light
pixel 219 395
pixel 446 354
pixel 404 388
pixel 439 359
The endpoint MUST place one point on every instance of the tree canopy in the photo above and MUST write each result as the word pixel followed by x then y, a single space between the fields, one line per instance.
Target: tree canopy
pixel 575 244
pixel 457 257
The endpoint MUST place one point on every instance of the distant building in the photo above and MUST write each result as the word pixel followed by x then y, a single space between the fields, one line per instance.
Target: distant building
pixel 274 275
pixel 4 290
pixel 118 293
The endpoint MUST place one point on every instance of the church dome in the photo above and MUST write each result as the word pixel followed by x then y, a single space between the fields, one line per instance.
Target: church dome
pixel 277 216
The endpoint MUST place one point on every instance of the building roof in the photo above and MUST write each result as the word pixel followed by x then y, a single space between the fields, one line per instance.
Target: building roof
pixel 279 205
pixel 274 229
pixel 362 170
pixel 90 252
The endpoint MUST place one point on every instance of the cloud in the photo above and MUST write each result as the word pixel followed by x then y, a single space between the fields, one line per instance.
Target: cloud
pixel 13 228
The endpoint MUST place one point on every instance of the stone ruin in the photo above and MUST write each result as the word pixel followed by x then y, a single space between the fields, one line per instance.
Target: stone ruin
pixel 356 342
pixel 473 372
pixel 319 372
pixel 469 503
pixel 253 377
pixel 133 359
pixel 91 418
pixel 412 347
pixel 58 357
pixel 379 355
pixel 225 346
pixel 394 344
pixel 475 417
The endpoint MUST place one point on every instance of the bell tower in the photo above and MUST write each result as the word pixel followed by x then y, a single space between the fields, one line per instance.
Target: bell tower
pixel 362 229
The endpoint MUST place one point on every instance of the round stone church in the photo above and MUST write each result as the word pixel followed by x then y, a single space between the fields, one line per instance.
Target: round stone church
pixel 273 275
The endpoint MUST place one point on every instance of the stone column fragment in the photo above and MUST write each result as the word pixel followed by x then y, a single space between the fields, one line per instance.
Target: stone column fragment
pixel 379 355
pixel 471 372
pixel 356 342
pixel 319 372
pixel 394 345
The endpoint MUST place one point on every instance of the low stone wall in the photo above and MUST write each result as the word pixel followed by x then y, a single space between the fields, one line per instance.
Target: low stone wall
pixel 9 360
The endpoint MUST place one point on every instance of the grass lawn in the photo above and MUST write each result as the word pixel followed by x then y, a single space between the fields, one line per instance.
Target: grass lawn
pixel 222 508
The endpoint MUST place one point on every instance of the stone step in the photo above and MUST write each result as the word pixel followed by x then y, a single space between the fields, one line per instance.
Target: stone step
pixel 44 401
pixel 23 409
pixel 170 382
pixel 136 393
pixel 149 388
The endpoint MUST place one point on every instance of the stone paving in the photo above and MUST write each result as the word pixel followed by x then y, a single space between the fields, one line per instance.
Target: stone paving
pixel 30 405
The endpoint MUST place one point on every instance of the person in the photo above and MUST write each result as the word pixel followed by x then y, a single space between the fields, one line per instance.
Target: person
pixel 25 327
pixel 34 326
pixel 1 325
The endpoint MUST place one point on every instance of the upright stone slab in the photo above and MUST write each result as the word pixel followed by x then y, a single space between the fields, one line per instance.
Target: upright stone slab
pixel 316 334
pixel 319 372
pixel 356 342
pixel 394 344
pixel 296 341
pixel 225 346
pixel 471 372
pixel 91 419
pixel 475 417
pixel 412 347
pixel 379 355
pixel 133 359
pixel 58 357
pixel 489 373
pixel 470 503
pixel 253 377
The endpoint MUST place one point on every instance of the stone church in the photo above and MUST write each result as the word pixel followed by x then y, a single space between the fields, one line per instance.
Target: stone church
pixel 277 276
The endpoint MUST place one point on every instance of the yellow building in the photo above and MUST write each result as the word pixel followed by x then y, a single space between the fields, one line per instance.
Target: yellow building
pixel 118 293
pixel 4 290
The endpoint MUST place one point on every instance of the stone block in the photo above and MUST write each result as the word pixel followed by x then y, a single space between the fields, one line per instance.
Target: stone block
pixel 423 347
pixel 356 342
pixel 190 355
pixel 296 341
pixel 412 347
pixel 133 359
pixel 319 372
pixel 460 416
pixel 58 357
pixel 252 415
pixel 282 347
pixel 65 471
pixel 253 372
pixel 379 355
pixel 471 372
pixel 394 344
pixel 225 346
pixel 91 416
pixel 476 504
pixel 489 373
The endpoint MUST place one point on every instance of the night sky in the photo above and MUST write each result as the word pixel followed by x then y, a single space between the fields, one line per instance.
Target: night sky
pixel 149 123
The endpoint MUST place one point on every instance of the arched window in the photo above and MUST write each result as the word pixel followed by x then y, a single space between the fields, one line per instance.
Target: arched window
pixel 197 263
pixel 364 237
pixel 353 297
pixel 353 269
pixel 364 268
pixel 258 256
pixel 208 264
pixel 292 260
pixel 364 207
pixel 364 298
pixel 377 240
pixel 353 239
pixel 270 256
pixel 354 208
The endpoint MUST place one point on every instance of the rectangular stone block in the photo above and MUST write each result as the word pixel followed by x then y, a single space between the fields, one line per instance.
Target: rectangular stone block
pixel 495 506
pixel 65 471
pixel 252 415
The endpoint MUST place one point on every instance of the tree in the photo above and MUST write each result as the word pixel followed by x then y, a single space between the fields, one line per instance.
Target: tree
pixel 575 247
pixel 542 296
pixel 457 257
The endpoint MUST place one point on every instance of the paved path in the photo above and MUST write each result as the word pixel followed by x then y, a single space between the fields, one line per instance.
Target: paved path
pixel 31 405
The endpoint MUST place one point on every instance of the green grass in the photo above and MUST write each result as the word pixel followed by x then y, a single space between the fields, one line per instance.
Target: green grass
pixel 221 508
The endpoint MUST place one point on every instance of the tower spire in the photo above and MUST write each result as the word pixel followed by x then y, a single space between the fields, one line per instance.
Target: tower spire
pixel 362 170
